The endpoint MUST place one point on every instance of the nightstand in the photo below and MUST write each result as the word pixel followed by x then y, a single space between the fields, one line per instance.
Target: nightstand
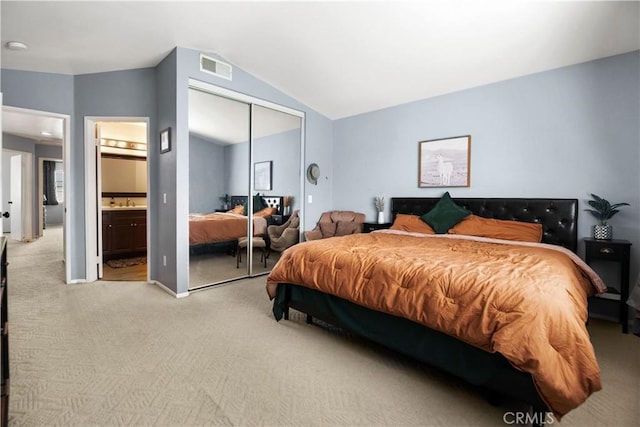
pixel 368 227
pixel 278 219
pixel 617 251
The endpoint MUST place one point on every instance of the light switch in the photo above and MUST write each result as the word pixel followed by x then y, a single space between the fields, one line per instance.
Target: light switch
pixel 310 198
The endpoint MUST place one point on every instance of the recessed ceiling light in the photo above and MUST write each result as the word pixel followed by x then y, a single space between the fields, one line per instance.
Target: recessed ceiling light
pixel 15 45
pixel 45 133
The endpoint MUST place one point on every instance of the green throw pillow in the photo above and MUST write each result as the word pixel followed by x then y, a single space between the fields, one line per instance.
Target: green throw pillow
pixel 445 214
pixel 258 203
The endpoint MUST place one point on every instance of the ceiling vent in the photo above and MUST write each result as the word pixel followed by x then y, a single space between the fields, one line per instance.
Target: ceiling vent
pixel 215 67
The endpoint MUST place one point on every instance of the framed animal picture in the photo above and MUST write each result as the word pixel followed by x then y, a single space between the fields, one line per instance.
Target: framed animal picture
pixel 445 162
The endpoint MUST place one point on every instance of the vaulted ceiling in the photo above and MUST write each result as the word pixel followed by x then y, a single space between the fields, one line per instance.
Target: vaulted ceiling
pixel 339 58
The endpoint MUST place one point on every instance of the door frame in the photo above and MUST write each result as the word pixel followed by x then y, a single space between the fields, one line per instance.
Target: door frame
pixel 93 235
pixel 68 177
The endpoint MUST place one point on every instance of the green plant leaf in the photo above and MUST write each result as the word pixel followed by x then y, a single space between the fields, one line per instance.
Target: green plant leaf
pixel 602 209
pixel 617 205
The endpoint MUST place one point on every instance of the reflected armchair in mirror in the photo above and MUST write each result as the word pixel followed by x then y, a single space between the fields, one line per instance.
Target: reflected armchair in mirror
pixel 286 235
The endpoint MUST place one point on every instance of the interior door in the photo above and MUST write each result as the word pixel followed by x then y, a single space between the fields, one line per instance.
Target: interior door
pixel 15 200
pixel 99 241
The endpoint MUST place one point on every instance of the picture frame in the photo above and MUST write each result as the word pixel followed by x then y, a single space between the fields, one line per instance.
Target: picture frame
pixel 165 140
pixel 445 162
pixel 262 179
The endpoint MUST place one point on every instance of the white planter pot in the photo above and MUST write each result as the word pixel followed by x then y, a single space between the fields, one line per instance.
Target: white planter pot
pixel 380 217
pixel 602 232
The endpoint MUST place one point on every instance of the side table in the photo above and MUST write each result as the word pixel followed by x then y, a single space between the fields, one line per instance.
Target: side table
pixel 615 251
pixel 278 219
pixel 368 227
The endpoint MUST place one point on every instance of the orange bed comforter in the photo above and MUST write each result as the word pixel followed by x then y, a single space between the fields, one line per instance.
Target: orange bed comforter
pixel 222 227
pixel 527 301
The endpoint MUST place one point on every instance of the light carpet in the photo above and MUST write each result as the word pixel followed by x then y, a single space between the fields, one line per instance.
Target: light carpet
pixel 128 354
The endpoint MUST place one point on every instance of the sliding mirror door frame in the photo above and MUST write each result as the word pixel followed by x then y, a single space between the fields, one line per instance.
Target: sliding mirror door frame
pixel 252 101
pixel 276 171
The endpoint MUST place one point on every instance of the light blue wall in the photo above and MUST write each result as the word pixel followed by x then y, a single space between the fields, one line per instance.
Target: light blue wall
pixel 236 171
pixel 283 150
pixel 39 91
pixel 164 179
pixel 120 93
pixel 128 93
pixel 206 175
pixel 562 133
pixel 48 92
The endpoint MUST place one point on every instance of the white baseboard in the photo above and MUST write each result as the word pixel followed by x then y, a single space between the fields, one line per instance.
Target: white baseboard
pixel 169 291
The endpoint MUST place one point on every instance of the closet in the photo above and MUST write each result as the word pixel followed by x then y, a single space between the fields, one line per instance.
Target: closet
pixel 242 152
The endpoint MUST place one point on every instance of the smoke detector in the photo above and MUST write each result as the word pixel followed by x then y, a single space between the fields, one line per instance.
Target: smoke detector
pixel 16 45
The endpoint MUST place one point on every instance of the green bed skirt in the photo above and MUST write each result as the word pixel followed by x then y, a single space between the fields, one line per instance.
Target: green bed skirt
pixel 476 366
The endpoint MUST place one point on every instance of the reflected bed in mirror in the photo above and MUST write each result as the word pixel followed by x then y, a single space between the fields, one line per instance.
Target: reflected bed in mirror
pixel 216 234
pixel 228 226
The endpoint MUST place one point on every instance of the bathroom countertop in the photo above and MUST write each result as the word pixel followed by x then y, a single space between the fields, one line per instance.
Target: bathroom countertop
pixel 124 208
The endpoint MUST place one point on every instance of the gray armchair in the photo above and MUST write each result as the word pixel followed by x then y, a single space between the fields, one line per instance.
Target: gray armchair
pixel 286 235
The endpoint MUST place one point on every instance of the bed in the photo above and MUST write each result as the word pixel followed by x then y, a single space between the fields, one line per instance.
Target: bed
pixel 223 229
pixel 431 336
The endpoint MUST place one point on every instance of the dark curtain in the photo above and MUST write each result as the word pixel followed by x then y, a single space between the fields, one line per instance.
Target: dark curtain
pixel 49 182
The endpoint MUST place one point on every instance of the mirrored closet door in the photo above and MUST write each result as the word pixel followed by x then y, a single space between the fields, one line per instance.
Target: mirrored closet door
pixel 277 151
pixel 244 176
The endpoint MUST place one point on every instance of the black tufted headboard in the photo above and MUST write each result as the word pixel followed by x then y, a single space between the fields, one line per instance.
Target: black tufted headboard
pixel 237 200
pixel 274 202
pixel 271 201
pixel 559 217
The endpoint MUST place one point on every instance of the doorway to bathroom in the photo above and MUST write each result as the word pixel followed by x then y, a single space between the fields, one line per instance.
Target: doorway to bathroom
pixel 121 189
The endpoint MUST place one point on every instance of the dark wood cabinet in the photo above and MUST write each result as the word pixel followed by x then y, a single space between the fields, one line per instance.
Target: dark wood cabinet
pixel 616 251
pixel 278 219
pixel 107 245
pixel 124 233
pixel 368 227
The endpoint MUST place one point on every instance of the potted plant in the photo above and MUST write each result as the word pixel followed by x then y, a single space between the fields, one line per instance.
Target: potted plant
pixel 603 211
pixel 379 203
pixel 225 201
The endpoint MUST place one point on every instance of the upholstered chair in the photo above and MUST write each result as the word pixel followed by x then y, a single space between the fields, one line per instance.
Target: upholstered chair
pixel 286 235
pixel 336 223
